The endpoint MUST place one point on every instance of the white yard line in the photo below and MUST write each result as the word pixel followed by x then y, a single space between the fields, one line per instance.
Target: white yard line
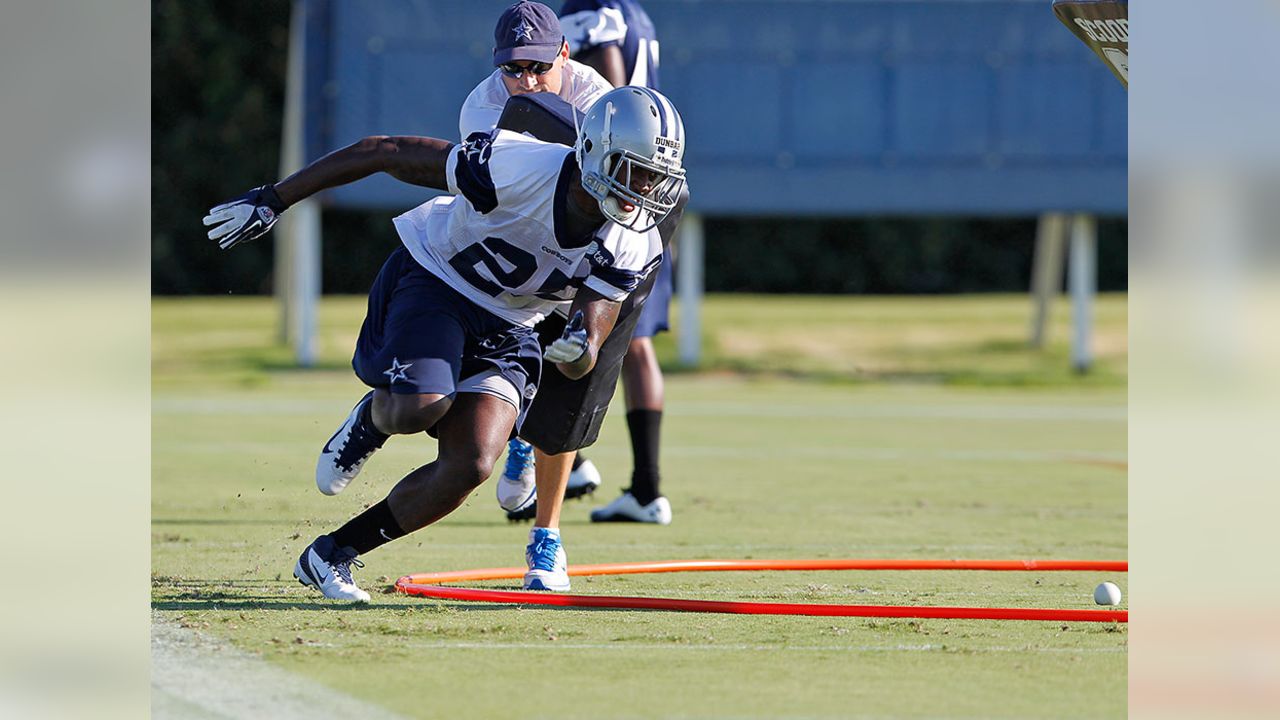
pixel 195 676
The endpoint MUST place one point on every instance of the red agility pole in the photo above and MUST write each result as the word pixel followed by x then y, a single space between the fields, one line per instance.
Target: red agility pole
pixel 521 597
pixel 425 584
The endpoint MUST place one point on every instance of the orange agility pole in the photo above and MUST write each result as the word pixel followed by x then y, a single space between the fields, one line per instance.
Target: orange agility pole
pixel 426 585
pixel 740 565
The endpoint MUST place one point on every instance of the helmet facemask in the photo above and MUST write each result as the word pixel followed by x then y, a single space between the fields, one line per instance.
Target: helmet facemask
pixel 649 208
pixel 629 149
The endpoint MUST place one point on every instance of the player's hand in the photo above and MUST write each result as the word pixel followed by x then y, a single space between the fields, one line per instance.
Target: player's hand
pixel 571 345
pixel 249 216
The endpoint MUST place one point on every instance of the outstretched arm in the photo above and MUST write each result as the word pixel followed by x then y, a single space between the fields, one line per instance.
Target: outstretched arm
pixel 414 160
pixel 591 319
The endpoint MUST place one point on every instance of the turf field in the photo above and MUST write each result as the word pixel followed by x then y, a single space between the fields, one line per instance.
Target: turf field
pixel 902 428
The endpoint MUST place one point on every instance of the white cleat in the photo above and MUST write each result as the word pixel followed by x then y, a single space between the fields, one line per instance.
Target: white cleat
pixel 627 509
pixel 327 568
pixel 518 486
pixel 548 564
pixel 344 455
pixel 583 480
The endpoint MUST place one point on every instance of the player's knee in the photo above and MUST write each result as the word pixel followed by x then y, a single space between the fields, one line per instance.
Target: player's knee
pixel 640 354
pixel 467 471
pixel 408 414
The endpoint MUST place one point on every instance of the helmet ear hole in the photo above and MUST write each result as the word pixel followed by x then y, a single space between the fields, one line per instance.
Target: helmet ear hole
pixel 586 145
pixel 653 110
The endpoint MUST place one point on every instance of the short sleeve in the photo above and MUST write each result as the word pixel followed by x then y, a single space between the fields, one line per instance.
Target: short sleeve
pixel 587 25
pixel 482 108
pixel 468 174
pixel 620 260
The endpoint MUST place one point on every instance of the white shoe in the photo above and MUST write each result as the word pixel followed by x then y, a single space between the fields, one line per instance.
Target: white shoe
pixel 327 568
pixel 627 509
pixel 548 565
pixel 583 480
pixel 343 456
pixel 518 486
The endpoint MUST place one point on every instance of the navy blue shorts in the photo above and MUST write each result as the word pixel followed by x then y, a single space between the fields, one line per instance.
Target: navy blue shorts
pixel 654 315
pixel 422 336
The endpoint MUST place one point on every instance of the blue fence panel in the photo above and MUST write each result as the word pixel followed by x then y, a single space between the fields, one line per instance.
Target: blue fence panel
pixel 808 107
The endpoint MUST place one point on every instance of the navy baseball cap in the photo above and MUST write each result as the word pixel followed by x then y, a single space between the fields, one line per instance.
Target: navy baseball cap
pixel 527 31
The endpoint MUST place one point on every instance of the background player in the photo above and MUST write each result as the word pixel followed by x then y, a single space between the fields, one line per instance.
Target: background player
pixel 531 56
pixel 617 38
pixel 448 345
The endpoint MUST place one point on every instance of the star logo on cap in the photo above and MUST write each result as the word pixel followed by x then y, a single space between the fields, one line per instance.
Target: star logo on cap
pixel 523 31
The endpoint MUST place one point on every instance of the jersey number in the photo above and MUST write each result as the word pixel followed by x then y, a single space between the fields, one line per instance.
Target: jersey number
pixel 487 252
pixel 523 266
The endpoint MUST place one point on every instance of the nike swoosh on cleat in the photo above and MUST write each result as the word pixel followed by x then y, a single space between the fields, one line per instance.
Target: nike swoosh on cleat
pixel 331 438
pixel 311 571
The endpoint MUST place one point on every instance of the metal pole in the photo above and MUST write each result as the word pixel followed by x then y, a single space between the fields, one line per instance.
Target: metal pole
pixel 689 284
pixel 1084 283
pixel 1046 271
pixel 297 270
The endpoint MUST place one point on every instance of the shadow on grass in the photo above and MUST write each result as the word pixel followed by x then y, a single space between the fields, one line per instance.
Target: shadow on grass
pixel 268 604
pixel 425 604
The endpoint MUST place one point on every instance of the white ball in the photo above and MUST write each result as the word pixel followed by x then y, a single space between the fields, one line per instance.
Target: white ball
pixel 1107 594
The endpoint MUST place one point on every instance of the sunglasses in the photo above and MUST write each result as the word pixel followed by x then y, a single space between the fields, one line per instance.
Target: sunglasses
pixel 534 68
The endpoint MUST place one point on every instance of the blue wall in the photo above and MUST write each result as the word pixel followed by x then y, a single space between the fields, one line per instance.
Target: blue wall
pixel 807 107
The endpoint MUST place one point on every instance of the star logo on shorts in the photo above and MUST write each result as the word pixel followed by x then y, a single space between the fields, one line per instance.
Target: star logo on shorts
pixel 523 31
pixel 397 370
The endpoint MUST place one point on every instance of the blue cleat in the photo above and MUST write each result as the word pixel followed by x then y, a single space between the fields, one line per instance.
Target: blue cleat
pixel 548 564
pixel 518 487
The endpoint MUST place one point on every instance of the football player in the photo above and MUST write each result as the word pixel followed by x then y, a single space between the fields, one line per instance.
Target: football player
pixel 531 56
pixel 447 344
pixel 617 38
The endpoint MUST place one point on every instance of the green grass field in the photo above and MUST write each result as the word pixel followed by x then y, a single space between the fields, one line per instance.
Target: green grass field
pixel 904 428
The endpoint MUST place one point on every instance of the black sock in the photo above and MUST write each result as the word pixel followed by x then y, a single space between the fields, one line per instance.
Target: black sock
pixel 370 529
pixel 366 420
pixel 645 427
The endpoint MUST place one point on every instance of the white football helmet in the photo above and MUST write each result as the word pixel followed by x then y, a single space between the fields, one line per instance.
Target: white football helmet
pixel 630 148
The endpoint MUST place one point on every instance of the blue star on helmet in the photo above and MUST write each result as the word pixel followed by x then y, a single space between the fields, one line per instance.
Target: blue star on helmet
pixel 523 31
pixel 397 370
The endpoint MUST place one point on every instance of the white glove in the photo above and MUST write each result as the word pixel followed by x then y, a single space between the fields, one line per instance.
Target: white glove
pixel 571 345
pixel 249 216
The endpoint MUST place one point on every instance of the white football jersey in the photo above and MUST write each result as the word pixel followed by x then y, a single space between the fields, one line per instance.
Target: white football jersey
pixel 504 243
pixel 482 108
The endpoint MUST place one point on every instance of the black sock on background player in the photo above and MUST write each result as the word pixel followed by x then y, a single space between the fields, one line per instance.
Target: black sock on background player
pixel 645 427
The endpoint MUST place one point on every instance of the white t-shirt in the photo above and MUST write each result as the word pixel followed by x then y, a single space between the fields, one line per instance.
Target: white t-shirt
pixel 505 245
pixel 480 112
